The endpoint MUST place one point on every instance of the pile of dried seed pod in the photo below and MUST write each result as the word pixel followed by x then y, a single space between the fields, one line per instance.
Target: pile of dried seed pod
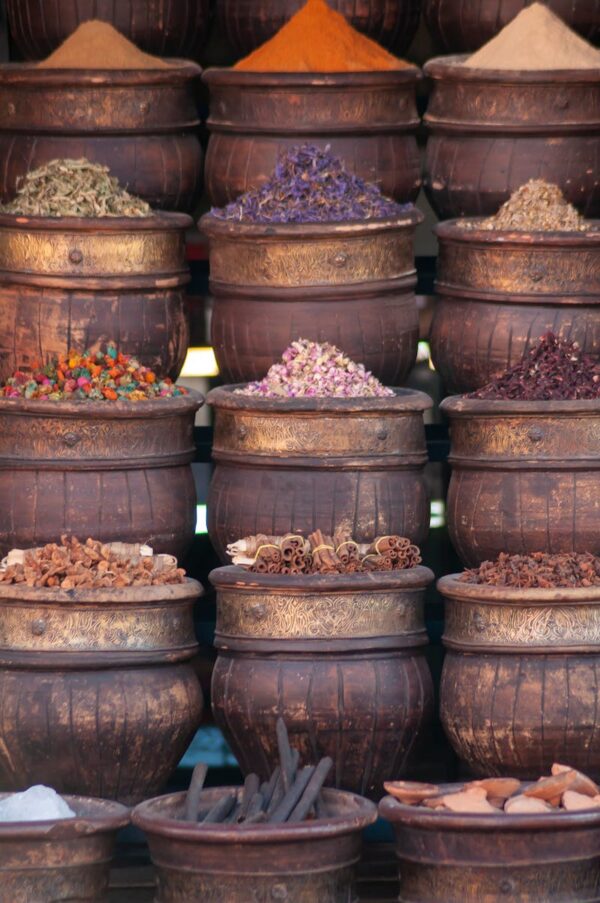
pixel 323 554
pixel 540 570
pixel 291 794
pixel 90 565
pixel 565 790
pixel 537 206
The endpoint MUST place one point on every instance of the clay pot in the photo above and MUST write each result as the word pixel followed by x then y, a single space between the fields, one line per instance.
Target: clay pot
pixel 350 284
pixel 491 131
pixel 248 24
pixel 339 658
pixel 458 26
pixel 100 696
pixel 142 124
pixel 306 861
pixel 498 292
pixel 169 28
pixel 446 857
pixel 368 119
pixel 64 860
pixel 525 477
pixel 304 464
pixel 110 470
pixel 533 656
pixel 79 283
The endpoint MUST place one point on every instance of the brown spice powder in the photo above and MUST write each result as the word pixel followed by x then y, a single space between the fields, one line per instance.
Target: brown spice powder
pixel 537 206
pixel 97 45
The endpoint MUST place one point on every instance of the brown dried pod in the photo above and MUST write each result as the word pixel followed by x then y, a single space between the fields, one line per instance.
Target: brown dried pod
pixel 411 792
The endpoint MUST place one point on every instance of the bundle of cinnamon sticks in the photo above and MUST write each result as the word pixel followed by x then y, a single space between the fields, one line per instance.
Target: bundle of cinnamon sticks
pixel 320 553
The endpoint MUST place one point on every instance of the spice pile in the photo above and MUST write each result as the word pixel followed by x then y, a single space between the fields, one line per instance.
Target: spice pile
pixel 37 803
pixel 537 206
pixel 309 185
pixel 97 45
pixel 314 370
pixel 321 554
pixel 291 794
pixel 319 39
pixel 73 188
pixel 90 565
pixel 536 39
pixel 553 370
pixel 540 570
pixel 565 790
pixel 94 376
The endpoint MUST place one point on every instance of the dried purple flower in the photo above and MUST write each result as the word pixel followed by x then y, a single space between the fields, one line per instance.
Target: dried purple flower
pixel 309 185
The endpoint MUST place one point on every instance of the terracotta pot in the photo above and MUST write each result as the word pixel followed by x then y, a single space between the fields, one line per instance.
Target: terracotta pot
pixel 167 28
pixel 445 857
pixel 298 863
pixel 339 658
pixel 62 860
pixel 525 477
pixel 368 119
pixel 534 657
pixel 142 124
pixel 498 292
pixel 247 24
pixel 79 283
pixel 458 26
pixel 100 696
pixel 491 131
pixel 351 284
pixel 302 464
pixel 110 470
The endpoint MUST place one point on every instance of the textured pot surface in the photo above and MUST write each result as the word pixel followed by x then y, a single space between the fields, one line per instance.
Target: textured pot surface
pixel 62 860
pixel 534 656
pixel 110 470
pixel 142 124
pixel 100 696
pixel 525 477
pixel 351 284
pixel 446 857
pixel 491 131
pixel 367 118
pixel 248 24
pixel 300 465
pixel 498 292
pixel 79 283
pixel 298 863
pixel 458 26
pixel 338 658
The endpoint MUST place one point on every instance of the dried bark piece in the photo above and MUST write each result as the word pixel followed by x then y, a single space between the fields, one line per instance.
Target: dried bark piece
pixel 411 792
pixel 526 805
pixel 573 801
pixel 498 788
pixel 553 787
pixel 582 784
pixel 470 802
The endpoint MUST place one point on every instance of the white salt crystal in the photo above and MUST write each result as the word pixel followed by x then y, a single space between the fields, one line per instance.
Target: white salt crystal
pixel 39 803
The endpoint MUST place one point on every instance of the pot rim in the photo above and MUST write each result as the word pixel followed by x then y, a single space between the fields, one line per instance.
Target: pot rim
pixel 236 577
pixel 117 816
pixel 148 409
pixel 175 829
pixel 214 226
pixel 432 819
pixel 159 221
pixel 403 401
pixel 242 78
pixel 450 229
pixel 128 596
pixel 461 406
pixel 450 68
pixel 30 74
pixel 452 587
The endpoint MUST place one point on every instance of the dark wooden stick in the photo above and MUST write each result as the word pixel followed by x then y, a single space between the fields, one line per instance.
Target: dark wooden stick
pixel 192 799
pixel 285 754
pixel 255 819
pixel 251 785
pixel 268 788
pixel 291 798
pixel 313 789
pixel 256 805
pixel 221 809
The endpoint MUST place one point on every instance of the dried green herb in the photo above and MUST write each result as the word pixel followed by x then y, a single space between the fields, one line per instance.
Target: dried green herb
pixel 73 188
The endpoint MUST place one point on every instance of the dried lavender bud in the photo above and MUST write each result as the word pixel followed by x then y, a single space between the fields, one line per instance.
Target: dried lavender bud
pixel 314 370
pixel 540 570
pixel 309 185
pixel 552 370
pixel 537 206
